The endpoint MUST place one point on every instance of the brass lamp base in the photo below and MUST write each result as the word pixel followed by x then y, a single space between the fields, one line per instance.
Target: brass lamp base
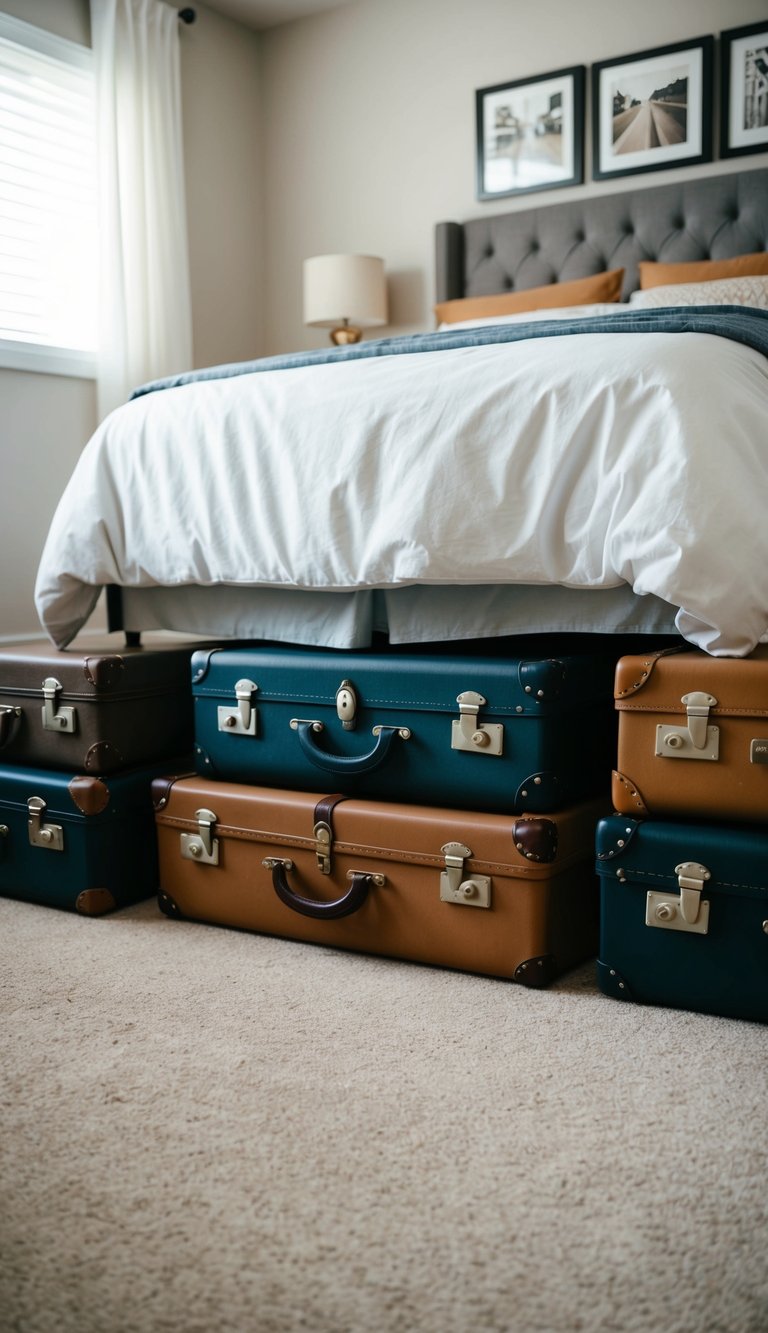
pixel 346 333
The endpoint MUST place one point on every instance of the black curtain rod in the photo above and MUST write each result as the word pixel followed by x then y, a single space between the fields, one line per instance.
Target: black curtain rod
pixel 187 15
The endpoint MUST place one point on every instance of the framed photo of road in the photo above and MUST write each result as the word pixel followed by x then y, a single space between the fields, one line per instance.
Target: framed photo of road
pixel 744 103
pixel 653 109
pixel 530 134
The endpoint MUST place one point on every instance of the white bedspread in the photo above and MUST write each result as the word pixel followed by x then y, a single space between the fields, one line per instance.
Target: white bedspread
pixel 585 461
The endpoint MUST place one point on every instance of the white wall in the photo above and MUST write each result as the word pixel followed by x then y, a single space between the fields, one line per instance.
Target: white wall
pixel 371 125
pixel 45 420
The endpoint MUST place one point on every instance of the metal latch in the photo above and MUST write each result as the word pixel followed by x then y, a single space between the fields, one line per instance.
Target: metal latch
pixel 56 719
pixel 758 752
pixel 323 837
pixel 454 888
pixel 469 734
pixel 201 846
pixel 698 740
pixel 687 912
pixel 240 721
pixel 346 705
pixel 40 834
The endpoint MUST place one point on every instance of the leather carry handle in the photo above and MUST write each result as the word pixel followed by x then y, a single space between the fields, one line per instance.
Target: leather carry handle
pixel 343 763
pixel 350 902
pixel 9 721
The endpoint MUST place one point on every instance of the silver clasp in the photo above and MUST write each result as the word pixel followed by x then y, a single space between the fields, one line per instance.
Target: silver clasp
pixel 323 837
pixel 687 912
pixel 201 846
pixel 346 705
pixel 240 721
pixel 469 734
pixel 698 740
pixel 56 719
pixel 454 888
pixel 40 834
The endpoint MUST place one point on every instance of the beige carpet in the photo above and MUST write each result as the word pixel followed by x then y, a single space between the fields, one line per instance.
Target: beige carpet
pixel 205 1131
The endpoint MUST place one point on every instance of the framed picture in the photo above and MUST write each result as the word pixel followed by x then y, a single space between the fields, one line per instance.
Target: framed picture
pixel 653 109
pixel 530 134
pixel 744 105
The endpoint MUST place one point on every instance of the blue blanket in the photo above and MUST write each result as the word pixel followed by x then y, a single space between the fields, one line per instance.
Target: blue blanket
pixel 741 324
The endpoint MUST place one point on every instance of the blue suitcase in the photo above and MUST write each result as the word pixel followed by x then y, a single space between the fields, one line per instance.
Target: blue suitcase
pixel 477 732
pixel 80 842
pixel 684 915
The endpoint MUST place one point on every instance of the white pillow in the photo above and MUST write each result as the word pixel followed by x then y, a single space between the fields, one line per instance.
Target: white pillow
pixel 721 291
pixel 525 316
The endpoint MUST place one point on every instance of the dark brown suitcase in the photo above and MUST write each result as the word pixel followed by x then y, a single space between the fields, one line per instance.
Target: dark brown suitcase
pixel 98 707
pixel 693 736
pixel 502 895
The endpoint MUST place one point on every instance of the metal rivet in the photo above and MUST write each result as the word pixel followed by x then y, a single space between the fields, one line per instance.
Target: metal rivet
pixel 537 782
pixel 613 972
pixel 519 708
pixel 528 689
pixel 523 793
pixel 519 846
pixel 765 927
pixel 539 694
pixel 195 849
pixel 621 985
pixel 619 842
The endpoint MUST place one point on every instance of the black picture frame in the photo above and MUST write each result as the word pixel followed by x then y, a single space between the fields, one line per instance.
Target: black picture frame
pixel 744 109
pixel 635 132
pixel 530 134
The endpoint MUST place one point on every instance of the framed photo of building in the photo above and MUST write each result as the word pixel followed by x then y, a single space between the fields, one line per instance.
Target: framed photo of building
pixel 530 134
pixel 653 109
pixel 744 103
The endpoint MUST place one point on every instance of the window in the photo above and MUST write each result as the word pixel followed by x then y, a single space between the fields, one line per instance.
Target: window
pixel 48 237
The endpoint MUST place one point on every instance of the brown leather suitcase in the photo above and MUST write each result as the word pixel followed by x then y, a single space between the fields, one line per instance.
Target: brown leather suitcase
pixel 511 896
pixel 693 736
pixel 98 707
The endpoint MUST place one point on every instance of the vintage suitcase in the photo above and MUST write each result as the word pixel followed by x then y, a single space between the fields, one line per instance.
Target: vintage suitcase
pixel 97 707
pixel 506 896
pixel 78 841
pixel 475 732
pixel 693 736
pixel 684 915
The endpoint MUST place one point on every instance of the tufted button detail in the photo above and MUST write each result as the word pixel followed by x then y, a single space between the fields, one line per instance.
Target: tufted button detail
pixel 488 252
pixel 579 237
pixel 679 224
pixel 508 283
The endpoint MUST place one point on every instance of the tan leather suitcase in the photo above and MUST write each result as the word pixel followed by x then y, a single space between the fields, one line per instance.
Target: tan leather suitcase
pixel 510 896
pixel 693 736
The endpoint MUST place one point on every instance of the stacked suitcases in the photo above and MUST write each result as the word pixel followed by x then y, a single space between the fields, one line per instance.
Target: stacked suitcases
pixel 82 735
pixel 684 862
pixel 435 806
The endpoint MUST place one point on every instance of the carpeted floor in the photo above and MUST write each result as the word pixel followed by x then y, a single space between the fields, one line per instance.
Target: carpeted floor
pixel 210 1132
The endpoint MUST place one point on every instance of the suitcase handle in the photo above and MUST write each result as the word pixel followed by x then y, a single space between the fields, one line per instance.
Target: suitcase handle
pixel 346 763
pixel 350 902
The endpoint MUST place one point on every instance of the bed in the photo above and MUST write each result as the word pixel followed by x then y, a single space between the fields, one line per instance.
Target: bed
pixel 593 471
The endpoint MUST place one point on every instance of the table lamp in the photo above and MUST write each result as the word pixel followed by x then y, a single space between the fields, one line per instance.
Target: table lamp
pixel 346 294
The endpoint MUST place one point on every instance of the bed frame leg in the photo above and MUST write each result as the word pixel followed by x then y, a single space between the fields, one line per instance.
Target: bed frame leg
pixel 115 616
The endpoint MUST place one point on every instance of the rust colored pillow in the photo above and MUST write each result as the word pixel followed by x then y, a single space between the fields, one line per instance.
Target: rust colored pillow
pixel 702 270
pixel 581 291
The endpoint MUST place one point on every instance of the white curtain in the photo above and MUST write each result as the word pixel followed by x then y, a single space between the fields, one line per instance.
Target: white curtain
pixel 145 325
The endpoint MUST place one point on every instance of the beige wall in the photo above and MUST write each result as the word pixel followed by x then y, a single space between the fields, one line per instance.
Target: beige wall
pixel 371 123
pixel 45 419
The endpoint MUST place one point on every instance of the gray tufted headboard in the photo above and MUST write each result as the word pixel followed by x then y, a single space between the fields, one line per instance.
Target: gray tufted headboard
pixel 713 217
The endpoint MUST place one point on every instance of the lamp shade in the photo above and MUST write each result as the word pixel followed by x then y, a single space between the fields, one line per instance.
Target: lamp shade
pixel 344 288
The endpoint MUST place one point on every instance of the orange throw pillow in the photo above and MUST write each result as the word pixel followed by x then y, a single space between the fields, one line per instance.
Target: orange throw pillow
pixel 702 270
pixel 581 291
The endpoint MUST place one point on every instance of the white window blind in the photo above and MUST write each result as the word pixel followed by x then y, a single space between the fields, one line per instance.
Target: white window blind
pixel 48 236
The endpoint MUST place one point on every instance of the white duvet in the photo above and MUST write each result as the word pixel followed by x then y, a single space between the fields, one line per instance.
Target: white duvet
pixel 586 461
